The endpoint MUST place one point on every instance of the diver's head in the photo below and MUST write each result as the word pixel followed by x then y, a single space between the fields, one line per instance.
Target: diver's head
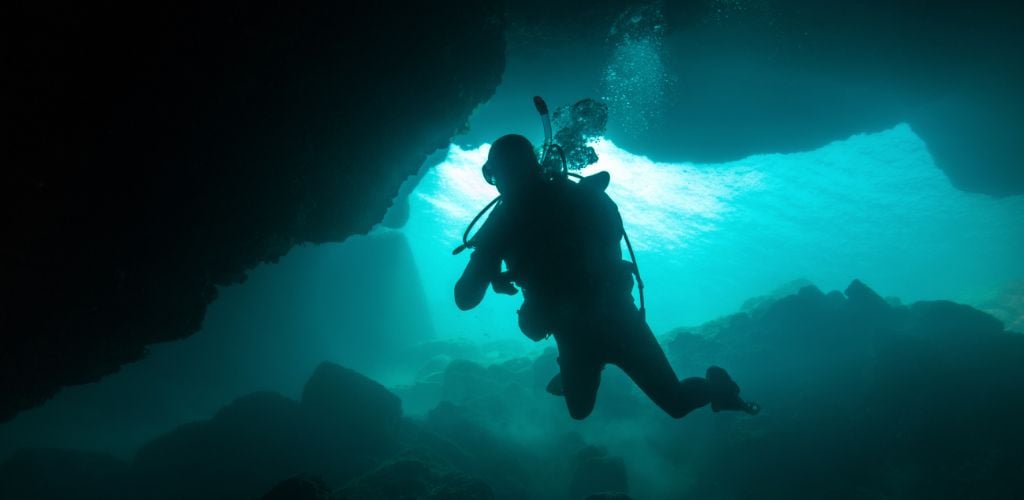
pixel 512 165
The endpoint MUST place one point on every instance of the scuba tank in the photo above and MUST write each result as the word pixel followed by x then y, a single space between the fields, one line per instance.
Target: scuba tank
pixel 554 166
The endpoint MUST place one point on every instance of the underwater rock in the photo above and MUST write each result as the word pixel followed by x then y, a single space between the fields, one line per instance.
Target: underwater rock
pixel 1007 304
pixel 345 425
pixel 506 464
pixel 910 402
pixel 465 380
pixel 596 472
pixel 300 488
pixel 242 451
pixel 415 476
pixel 531 458
pixel 61 474
pixel 943 318
pixel 865 299
pixel 889 401
pixel 498 423
pixel 347 400
pixel 210 138
pixel 806 317
pixel 805 73
pixel 254 338
pixel 867 311
pixel 204 140
pixel 539 25
pixel 445 373
pixel 494 393
pixel 785 290
pixel 609 496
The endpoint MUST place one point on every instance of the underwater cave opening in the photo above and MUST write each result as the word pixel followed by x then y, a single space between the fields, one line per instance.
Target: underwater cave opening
pixel 708 238
pixel 872 207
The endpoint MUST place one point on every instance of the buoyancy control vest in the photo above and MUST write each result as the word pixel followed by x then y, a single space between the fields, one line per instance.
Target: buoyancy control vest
pixel 579 201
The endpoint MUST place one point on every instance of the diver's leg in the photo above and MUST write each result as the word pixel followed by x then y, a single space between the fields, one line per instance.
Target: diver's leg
pixel 643 360
pixel 580 375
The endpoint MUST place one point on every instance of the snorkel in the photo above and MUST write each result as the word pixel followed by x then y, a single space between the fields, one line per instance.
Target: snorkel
pixel 545 119
pixel 561 168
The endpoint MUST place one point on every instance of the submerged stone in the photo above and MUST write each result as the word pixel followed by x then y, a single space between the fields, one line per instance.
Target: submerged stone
pixel 300 488
pixel 53 473
pixel 352 401
pixel 943 318
pixel 932 388
pixel 415 477
pixel 596 472
pixel 344 426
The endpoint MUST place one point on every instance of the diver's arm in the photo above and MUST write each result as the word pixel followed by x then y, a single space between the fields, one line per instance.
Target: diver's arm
pixel 471 287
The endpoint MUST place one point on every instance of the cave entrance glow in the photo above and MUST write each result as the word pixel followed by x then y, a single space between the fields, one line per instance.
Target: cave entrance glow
pixel 872 207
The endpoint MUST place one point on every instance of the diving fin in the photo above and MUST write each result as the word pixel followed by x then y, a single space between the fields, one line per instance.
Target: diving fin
pixel 725 393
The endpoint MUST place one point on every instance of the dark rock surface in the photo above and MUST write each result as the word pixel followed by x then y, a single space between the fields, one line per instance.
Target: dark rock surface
pixel 347 401
pixel 300 487
pixel 595 472
pixel 793 75
pixel 510 467
pixel 418 477
pixel 1007 304
pixel 269 334
pixel 499 424
pixel 347 430
pixel 862 398
pixel 53 473
pixel 609 496
pixel 158 152
pixel 345 425
pixel 918 401
pixel 722 80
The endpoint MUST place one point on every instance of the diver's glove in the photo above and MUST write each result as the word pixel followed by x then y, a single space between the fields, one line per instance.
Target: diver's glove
pixel 503 284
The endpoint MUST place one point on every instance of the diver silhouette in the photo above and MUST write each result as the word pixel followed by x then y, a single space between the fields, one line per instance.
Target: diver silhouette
pixel 560 242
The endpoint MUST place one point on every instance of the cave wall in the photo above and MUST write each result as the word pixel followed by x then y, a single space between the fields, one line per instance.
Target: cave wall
pixel 793 75
pixel 712 81
pixel 160 151
pixel 156 152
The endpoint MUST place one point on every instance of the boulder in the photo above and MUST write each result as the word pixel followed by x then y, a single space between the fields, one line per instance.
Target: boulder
pixel 596 472
pixel 345 425
pixel 360 408
pixel 60 474
pixel 945 319
pixel 415 476
pixel 864 394
pixel 300 487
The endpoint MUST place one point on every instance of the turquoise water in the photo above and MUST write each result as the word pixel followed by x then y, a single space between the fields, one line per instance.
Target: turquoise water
pixel 872 207
pixel 708 237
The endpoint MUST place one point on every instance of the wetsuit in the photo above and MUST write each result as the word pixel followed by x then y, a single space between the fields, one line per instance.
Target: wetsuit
pixel 561 245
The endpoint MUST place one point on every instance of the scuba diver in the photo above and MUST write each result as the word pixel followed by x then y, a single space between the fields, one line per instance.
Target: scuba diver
pixel 560 242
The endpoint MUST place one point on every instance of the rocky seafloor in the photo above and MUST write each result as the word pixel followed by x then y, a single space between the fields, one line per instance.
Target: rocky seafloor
pixel 863 397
